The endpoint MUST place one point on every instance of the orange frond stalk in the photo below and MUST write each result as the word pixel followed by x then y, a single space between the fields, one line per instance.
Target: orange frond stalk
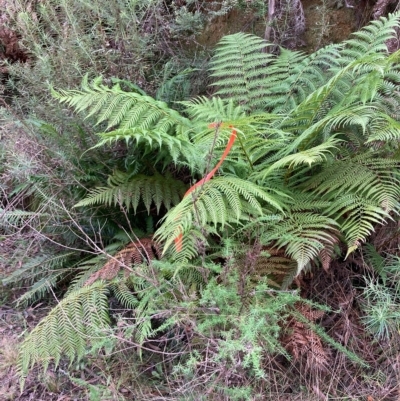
pixel 178 239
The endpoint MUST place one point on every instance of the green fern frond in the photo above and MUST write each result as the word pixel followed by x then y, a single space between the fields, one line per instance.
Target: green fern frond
pixel 171 147
pixel 77 320
pixel 119 108
pixel 123 294
pixel 218 202
pixel 128 191
pixel 37 265
pixel 371 39
pixel 362 191
pixel 215 110
pixel 43 272
pixel 376 179
pixel 357 216
pixel 311 156
pixel 256 133
pixel 41 287
pixel 302 236
pixel 15 218
pixel 239 65
pixel 315 114
pixel 293 76
pixel 383 128
pixel 174 88
pixel 131 116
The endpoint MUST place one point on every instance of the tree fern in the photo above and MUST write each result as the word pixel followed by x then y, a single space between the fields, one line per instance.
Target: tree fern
pixel 308 168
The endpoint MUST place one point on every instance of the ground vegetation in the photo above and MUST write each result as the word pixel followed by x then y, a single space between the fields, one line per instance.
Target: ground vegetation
pixel 182 221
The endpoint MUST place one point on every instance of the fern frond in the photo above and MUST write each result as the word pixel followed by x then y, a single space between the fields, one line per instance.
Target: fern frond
pixel 383 128
pixel 125 190
pixel 16 218
pixel 143 250
pixel 119 108
pixel 131 116
pixel 77 320
pixel 43 272
pixel 376 179
pixel 215 110
pixel 357 216
pixel 371 39
pixel 303 236
pixel 176 87
pixel 124 295
pixel 311 156
pixel 293 76
pixel 37 265
pixel 239 66
pixel 219 201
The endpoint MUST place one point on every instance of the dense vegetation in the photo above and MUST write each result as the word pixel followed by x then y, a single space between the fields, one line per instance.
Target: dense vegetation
pixel 221 225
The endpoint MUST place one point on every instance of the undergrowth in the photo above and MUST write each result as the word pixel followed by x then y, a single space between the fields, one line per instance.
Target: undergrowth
pixel 238 246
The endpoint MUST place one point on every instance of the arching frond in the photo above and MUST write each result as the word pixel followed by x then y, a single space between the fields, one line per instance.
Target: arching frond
pixel 120 108
pixel 293 76
pixel 221 201
pixel 42 273
pixel 124 295
pixel 128 191
pixel 67 330
pixel 131 116
pixel 239 66
pixel 373 178
pixel 357 216
pixel 370 40
pixel 314 155
pixel 215 110
pixel 303 235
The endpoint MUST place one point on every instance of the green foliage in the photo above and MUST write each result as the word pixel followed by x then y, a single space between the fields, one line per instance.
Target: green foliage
pixel 323 124
pixel 314 165
pixel 381 295
pixel 221 201
pixel 128 191
pixel 78 318
pixel 43 273
pixel 241 67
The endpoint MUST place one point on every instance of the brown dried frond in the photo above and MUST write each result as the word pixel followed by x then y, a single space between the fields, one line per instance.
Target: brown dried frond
pixel 137 252
pixel 327 252
pixel 276 266
pixel 302 343
pixel 271 263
